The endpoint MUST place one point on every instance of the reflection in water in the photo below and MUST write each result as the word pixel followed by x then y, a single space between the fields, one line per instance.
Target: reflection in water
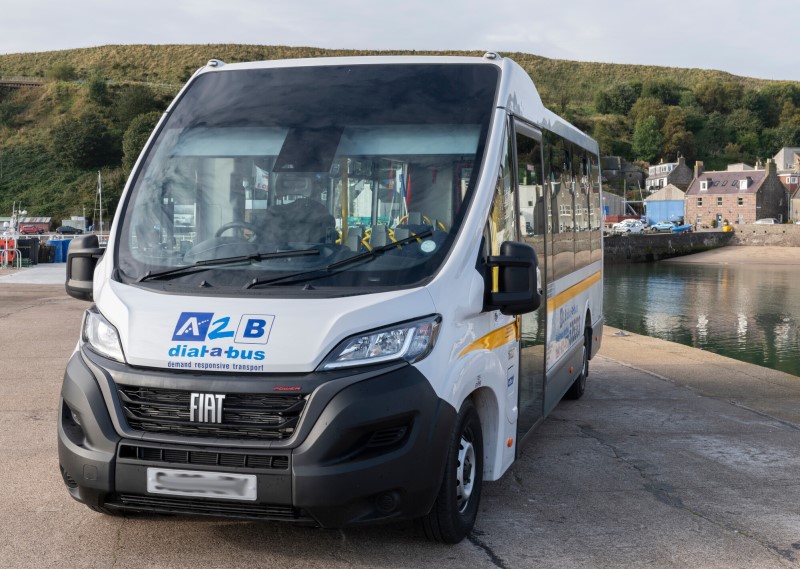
pixel 750 313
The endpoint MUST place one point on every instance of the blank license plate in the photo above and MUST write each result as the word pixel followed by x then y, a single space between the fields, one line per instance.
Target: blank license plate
pixel 201 484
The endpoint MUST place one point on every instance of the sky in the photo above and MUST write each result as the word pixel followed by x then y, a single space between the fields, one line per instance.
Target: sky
pixel 755 39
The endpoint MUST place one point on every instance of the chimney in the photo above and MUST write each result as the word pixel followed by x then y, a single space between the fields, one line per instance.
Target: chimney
pixel 772 168
pixel 698 169
pixel 681 160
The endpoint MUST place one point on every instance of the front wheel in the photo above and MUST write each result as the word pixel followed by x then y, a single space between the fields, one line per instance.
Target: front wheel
pixel 453 514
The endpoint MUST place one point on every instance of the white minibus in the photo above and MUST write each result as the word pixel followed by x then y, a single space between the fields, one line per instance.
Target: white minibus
pixel 337 291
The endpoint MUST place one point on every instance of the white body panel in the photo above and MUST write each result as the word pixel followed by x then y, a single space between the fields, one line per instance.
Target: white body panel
pixel 302 332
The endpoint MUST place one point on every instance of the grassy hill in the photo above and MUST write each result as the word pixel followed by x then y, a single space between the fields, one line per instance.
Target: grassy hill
pixel 45 163
pixel 173 64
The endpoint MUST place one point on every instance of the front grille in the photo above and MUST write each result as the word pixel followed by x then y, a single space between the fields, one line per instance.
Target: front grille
pixel 206 458
pixel 197 507
pixel 245 415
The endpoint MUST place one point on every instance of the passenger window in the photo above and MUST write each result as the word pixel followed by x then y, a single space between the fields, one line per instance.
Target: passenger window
pixel 583 244
pixel 561 220
pixel 531 192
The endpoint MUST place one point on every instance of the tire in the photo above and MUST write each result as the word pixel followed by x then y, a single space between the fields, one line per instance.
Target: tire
pixel 456 507
pixel 578 387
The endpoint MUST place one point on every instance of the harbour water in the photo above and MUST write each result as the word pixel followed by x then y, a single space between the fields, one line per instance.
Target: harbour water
pixel 750 312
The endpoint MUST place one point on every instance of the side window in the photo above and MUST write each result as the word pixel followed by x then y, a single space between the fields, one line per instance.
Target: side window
pixel 530 182
pixel 595 208
pixel 558 173
pixel 583 244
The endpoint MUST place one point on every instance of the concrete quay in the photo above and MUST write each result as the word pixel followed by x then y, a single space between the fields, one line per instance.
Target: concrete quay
pixel 674 457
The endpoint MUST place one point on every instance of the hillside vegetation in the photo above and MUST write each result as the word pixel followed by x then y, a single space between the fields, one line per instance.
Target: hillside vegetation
pixel 98 104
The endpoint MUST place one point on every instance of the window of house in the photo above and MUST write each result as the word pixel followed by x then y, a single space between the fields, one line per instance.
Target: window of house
pixel 699 202
pixel 741 200
pixel 719 201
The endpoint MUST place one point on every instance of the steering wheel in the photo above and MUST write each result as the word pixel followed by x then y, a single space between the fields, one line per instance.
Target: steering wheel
pixel 238 225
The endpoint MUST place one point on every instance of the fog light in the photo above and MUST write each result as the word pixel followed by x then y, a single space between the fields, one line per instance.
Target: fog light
pixel 388 502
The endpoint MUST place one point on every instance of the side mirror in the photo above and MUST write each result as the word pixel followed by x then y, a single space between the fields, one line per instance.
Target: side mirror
pixel 518 287
pixel 82 256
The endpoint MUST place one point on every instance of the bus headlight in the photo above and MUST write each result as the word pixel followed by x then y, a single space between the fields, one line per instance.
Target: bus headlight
pixel 101 336
pixel 410 341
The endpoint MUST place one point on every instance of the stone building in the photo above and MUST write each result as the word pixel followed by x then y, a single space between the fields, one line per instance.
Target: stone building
pixel 788 161
pixel 662 175
pixel 737 196
pixel 619 173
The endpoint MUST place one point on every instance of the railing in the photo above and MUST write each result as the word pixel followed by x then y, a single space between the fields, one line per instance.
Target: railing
pixel 5 262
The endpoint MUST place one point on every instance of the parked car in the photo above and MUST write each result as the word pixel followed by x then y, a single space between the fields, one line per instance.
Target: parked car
pixel 68 230
pixel 767 221
pixel 663 226
pixel 627 226
pixel 31 230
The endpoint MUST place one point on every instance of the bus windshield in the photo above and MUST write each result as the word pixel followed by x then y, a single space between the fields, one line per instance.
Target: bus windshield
pixel 267 176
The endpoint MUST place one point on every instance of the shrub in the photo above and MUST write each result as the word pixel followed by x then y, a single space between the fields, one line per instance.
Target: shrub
pixel 136 136
pixel 84 142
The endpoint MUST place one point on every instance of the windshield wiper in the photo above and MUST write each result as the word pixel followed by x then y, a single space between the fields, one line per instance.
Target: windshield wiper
pixel 338 265
pixel 208 263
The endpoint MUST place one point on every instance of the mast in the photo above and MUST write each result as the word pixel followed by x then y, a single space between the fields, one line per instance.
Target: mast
pixel 99 205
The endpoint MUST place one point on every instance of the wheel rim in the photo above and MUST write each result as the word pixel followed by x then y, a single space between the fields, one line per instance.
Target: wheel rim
pixel 465 473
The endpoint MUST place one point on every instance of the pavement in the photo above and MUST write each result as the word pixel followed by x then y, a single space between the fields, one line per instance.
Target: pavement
pixel 45 273
pixel 743 254
pixel 674 457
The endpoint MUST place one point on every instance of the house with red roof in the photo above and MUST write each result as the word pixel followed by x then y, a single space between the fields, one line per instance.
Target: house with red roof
pixel 738 196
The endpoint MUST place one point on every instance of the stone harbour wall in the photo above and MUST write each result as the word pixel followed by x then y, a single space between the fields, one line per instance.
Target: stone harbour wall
pixel 657 246
pixel 783 235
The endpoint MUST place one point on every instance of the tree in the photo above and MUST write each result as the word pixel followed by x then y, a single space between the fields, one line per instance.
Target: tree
pixel 647 139
pixel 742 122
pixel 668 91
pixel 714 95
pixel 764 106
pixel 613 136
pixel 60 72
pixel 98 89
pixel 714 135
pixel 84 142
pixel 617 99
pixel 649 107
pixel 132 102
pixel 677 139
pixel 136 136
pixel 674 122
pixel 680 143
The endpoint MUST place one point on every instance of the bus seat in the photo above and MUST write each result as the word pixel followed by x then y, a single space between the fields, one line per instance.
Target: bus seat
pixel 401 233
pixel 354 237
pixel 379 236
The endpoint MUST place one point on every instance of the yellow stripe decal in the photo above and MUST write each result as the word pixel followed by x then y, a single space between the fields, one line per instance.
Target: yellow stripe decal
pixel 573 291
pixel 493 339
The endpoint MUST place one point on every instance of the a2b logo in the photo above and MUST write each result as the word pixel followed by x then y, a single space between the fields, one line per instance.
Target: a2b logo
pixel 201 326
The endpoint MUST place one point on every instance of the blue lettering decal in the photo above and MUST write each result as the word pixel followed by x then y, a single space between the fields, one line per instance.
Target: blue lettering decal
pixel 254 328
pixel 192 326
pixel 219 329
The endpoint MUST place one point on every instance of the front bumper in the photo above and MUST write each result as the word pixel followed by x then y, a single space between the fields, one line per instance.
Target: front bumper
pixel 369 446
